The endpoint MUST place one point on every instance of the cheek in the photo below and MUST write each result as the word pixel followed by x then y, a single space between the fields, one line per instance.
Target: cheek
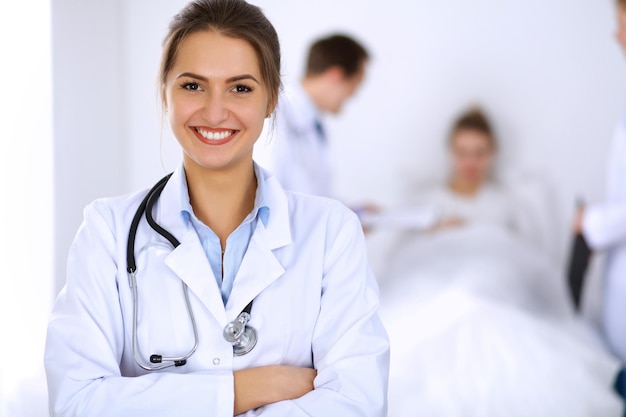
pixel 172 109
pixel 349 91
pixel 174 118
pixel 461 164
pixel 181 111
pixel 253 117
pixel 486 162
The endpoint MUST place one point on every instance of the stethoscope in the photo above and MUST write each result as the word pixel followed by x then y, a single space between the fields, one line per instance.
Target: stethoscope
pixel 237 332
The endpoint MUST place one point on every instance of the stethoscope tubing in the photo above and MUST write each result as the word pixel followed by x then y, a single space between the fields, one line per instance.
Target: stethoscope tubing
pixel 146 205
pixel 131 265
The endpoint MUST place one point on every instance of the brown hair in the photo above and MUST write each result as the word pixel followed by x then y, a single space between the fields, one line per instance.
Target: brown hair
pixel 621 3
pixel 234 18
pixel 474 119
pixel 336 50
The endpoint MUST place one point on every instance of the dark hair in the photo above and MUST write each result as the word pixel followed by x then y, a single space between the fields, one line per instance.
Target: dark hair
pixel 234 18
pixel 336 50
pixel 621 3
pixel 474 119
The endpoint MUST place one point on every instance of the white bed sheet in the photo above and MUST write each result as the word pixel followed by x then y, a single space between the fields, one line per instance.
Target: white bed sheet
pixel 480 325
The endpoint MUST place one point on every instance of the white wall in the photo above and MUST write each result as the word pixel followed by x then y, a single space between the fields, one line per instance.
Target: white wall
pixel 89 139
pixel 26 208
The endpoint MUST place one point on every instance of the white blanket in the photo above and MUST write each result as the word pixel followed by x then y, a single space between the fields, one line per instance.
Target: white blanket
pixel 480 325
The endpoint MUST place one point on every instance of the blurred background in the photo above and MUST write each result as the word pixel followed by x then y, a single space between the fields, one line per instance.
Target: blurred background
pixel 81 119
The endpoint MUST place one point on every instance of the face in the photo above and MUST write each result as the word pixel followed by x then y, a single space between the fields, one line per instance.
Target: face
pixel 620 34
pixel 216 100
pixel 472 155
pixel 343 89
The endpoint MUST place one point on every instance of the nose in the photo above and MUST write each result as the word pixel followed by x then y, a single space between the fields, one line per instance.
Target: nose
pixel 215 109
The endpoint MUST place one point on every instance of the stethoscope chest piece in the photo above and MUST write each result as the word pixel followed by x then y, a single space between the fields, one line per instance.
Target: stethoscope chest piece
pixel 240 335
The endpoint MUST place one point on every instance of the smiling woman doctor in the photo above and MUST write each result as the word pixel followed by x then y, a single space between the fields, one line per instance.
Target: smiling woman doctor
pixel 217 293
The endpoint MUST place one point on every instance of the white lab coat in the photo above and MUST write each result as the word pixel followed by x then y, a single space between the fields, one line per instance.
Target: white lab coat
pixel 293 148
pixel 315 305
pixel 604 228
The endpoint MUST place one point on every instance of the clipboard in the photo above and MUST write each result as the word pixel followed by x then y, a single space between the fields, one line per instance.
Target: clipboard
pixel 578 263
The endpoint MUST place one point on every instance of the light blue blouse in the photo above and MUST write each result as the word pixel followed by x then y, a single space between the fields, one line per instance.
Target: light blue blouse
pixel 236 243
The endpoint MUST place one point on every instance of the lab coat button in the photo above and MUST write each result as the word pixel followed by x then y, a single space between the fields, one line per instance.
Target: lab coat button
pixel 216 361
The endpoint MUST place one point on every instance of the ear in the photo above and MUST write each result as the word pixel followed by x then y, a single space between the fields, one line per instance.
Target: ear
pixel 335 73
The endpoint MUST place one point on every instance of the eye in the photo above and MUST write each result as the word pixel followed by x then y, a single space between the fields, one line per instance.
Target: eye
pixel 191 86
pixel 242 89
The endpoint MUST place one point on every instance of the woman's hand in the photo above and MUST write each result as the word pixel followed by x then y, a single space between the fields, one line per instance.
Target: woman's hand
pixel 256 387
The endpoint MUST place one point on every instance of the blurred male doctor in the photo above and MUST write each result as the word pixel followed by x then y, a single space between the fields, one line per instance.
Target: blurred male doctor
pixel 296 149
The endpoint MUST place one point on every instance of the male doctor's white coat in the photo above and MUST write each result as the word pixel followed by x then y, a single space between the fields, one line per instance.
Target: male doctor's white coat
pixel 604 228
pixel 294 147
pixel 315 305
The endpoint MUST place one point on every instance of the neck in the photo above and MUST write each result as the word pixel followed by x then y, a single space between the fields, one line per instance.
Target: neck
pixel 221 199
pixel 467 188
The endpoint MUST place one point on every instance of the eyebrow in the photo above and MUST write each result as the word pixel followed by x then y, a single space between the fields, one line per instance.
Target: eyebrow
pixel 228 80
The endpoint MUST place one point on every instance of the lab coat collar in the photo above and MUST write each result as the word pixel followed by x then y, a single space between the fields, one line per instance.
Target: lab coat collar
pixel 259 268
pixel 298 110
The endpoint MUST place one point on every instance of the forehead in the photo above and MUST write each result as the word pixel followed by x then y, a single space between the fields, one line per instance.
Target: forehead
pixel 470 137
pixel 212 54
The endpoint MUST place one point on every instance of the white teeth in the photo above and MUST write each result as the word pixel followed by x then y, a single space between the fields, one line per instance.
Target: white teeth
pixel 215 135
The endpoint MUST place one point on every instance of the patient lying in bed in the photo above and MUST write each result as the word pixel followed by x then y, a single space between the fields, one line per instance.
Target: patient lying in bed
pixel 478 315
